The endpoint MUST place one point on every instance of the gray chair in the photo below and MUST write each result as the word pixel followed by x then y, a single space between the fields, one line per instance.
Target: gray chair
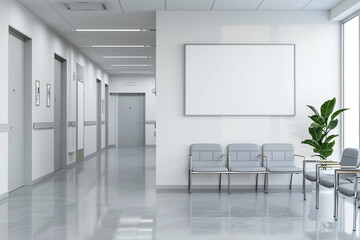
pixel 311 175
pixel 343 177
pixel 349 160
pixel 280 160
pixel 350 190
pixel 244 158
pixel 206 158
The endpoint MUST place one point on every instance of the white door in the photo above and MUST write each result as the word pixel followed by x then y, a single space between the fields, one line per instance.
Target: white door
pixel 16 112
pixel 131 120
pixel 57 114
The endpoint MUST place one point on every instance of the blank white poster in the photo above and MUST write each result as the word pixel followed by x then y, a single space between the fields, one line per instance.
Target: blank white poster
pixel 240 80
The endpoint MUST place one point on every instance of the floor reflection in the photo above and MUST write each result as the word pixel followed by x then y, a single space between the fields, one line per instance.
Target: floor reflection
pixel 113 196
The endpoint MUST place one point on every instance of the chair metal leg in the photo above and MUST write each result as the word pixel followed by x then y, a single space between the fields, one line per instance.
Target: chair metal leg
pixel 335 202
pixel 229 183
pixel 266 183
pixel 355 214
pixel 190 178
pixel 317 195
pixel 304 188
pixel 291 177
pixel 220 183
pixel 257 179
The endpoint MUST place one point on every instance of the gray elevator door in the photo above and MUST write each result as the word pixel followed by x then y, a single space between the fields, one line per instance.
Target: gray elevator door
pixel 57 114
pixel 131 120
pixel 16 113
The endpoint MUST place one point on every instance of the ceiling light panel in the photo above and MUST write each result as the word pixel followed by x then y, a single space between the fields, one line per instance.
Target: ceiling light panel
pixel 119 46
pixel 283 5
pixel 131 65
pixel 189 4
pixel 127 57
pixel 114 30
pixel 232 5
pixel 321 5
pixel 85 6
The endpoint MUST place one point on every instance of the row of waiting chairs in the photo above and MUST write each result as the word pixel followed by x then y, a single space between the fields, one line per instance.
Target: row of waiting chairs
pixel 343 178
pixel 243 158
pixel 279 158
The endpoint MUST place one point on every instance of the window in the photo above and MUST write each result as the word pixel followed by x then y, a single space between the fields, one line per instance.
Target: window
pixel 351 82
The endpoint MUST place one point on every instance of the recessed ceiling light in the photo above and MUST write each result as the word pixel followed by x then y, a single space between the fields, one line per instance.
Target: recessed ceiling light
pixel 134 72
pixel 121 46
pixel 113 30
pixel 127 57
pixel 131 65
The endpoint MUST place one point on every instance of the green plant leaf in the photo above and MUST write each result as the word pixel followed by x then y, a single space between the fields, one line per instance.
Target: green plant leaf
pixel 311 142
pixel 315 133
pixel 313 109
pixel 335 114
pixel 333 124
pixel 331 137
pixel 327 108
pixel 316 125
pixel 326 153
pixel 318 119
pixel 327 146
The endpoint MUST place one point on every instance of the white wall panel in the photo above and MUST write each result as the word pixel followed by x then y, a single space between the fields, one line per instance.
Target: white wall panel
pixel 317 65
pixel 45 43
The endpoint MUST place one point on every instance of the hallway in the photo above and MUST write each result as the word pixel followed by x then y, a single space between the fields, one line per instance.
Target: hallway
pixel 113 196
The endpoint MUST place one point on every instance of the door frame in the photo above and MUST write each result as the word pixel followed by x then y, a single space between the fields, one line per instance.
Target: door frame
pixel 63 111
pixel 117 96
pixel 98 115
pixel 106 116
pixel 28 96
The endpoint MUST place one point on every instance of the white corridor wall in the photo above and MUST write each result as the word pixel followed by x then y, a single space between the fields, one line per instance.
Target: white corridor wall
pixel 317 79
pixel 45 43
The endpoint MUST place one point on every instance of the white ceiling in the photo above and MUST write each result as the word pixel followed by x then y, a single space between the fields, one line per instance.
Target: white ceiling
pixel 139 14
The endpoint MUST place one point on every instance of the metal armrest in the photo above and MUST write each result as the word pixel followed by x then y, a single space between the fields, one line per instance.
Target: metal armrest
pixel 316 161
pixel 267 160
pixel 228 161
pixel 345 170
pixel 298 155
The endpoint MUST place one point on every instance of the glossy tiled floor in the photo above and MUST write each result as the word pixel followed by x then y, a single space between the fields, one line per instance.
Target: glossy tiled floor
pixel 113 196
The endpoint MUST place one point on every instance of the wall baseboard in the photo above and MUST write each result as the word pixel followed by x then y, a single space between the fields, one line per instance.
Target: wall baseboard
pixel 111 146
pixel 42 178
pixel 4 195
pixel 223 187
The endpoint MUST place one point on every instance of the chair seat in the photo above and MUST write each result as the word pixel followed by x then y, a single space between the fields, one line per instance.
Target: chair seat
pixel 285 169
pixel 248 169
pixel 311 176
pixel 348 189
pixel 328 181
pixel 210 169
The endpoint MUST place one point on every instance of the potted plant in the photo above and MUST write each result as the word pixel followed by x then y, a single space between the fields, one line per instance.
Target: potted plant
pixel 323 123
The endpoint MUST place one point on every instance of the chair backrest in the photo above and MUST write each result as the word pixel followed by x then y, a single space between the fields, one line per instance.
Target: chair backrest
pixel 244 155
pixel 350 157
pixel 206 155
pixel 279 154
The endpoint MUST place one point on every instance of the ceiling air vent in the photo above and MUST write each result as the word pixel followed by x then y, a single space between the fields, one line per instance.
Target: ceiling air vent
pixel 85 6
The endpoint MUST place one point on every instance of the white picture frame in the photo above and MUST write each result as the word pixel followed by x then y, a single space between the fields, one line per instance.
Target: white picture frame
pixel 48 95
pixel 37 93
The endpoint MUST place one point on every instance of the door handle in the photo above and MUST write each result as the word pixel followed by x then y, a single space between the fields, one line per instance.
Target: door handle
pixel 11 127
